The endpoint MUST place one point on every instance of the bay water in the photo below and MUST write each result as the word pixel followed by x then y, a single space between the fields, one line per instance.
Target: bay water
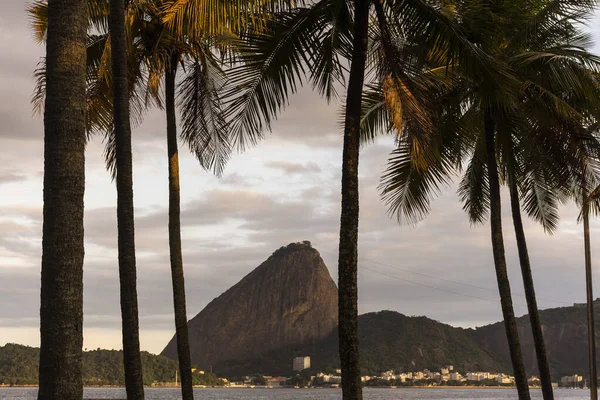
pixel 308 394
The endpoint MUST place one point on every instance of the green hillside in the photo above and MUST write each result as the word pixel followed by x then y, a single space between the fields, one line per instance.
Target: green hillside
pixel 19 366
pixel 565 335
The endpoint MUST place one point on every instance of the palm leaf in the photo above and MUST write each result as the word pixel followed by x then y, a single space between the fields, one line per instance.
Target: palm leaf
pixel 204 127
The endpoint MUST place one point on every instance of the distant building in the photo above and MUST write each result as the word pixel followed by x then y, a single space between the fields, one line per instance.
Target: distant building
pixel 455 376
pixel 477 376
pixel 274 381
pixel 301 363
pixel 505 379
pixel 570 380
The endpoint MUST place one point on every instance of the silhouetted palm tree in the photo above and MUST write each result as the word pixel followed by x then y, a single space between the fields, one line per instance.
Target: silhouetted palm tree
pixel 61 311
pixel 134 384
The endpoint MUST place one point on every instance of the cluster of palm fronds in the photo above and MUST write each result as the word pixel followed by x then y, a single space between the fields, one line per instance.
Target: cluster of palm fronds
pixel 153 48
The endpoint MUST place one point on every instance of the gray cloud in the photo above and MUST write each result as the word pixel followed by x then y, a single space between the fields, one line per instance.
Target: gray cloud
pixel 293 168
pixel 11 177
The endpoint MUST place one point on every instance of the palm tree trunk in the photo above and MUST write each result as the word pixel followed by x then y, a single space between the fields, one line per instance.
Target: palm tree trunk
pixel 590 303
pixel 508 313
pixel 534 316
pixel 181 325
pixel 132 360
pixel 348 249
pixel 61 310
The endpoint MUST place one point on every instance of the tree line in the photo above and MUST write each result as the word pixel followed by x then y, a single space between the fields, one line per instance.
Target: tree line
pixel 494 92
pixel 19 366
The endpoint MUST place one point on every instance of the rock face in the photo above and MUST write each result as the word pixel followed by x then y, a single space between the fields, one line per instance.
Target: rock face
pixel 287 301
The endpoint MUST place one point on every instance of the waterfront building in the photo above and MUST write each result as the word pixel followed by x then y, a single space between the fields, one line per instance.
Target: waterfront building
pixel 455 376
pixel 301 363
pixel 571 380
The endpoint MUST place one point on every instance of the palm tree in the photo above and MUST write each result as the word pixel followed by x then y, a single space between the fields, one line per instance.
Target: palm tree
pixel 205 133
pixel 587 195
pixel 348 249
pixel 61 311
pixel 526 43
pixel 134 384
pixel 590 301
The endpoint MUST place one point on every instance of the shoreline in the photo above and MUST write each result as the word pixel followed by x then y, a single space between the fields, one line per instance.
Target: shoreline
pixel 286 387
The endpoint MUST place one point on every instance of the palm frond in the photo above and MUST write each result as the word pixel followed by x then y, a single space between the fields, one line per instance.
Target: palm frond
pixel 374 116
pixel 327 63
pixel 541 201
pixel 39 92
pixel 474 189
pixel 271 69
pixel 204 126
pixel 415 174
pixel 200 19
pixel 110 154
pixel 38 19
pixel 447 40
pixel 550 20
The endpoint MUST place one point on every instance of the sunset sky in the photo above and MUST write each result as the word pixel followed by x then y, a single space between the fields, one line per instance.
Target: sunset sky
pixel 286 189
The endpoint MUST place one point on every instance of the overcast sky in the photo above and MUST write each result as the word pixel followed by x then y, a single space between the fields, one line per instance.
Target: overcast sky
pixel 284 190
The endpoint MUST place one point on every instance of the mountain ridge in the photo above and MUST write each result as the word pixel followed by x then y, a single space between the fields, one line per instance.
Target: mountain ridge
pixel 389 340
pixel 383 336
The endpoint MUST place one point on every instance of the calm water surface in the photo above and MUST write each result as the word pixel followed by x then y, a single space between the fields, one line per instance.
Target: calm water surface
pixel 308 394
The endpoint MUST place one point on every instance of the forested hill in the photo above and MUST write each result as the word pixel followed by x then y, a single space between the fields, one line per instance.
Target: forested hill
pixel 19 366
pixel 388 340
pixel 565 336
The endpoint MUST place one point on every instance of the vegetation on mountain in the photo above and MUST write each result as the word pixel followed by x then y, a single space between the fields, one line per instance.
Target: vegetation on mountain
pixel 565 334
pixel 392 341
pixel 388 341
pixel 19 366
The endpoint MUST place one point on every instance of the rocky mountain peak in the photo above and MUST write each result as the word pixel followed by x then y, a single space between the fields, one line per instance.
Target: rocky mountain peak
pixel 288 300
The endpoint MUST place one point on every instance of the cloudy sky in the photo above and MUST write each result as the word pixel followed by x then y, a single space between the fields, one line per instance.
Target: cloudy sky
pixel 284 190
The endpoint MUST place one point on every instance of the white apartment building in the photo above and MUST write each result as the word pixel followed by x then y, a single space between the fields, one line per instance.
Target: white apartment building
pixel 301 363
pixel 478 376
